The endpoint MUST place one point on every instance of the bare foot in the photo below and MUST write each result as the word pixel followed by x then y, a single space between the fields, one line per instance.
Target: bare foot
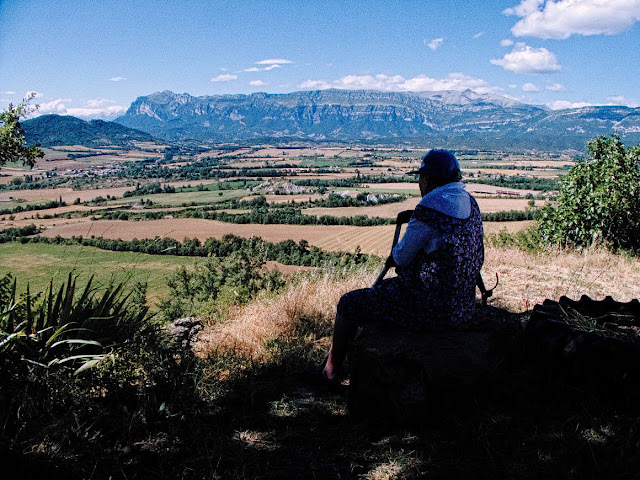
pixel 328 371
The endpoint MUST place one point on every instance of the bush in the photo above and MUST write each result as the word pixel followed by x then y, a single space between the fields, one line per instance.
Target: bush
pixel 207 289
pixel 599 201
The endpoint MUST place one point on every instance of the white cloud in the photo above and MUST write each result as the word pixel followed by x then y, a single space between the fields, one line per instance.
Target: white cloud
pixel 251 69
pixel 271 61
pixel 507 42
pixel 117 79
pixel 563 18
pixel 525 8
pixel 257 83
pixel 434 44
pixel 512 86
pixel 526 59
pixel 555 87
pixel 224 77
pixel 93 108
pixel 110 111
pixel 621 100
pixel 315 85
pixel 57 106
pixel 8 92
pixel 397 83
pixel 562 104
pixel 478 35
pixel 530 87
pixel 271 67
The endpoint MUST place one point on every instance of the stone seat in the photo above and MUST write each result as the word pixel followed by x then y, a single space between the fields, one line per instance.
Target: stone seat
pixel 396 375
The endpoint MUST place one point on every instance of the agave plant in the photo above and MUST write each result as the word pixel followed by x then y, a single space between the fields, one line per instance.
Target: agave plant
pixel 67 326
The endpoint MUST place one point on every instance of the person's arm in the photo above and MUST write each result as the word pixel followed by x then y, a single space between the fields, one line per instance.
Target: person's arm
pixel 418 236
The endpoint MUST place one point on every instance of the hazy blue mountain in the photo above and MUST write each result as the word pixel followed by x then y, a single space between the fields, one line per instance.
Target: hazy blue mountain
pixel 450 118
pixel 52 130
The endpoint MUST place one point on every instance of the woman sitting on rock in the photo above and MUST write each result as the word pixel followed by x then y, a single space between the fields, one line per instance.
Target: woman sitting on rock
pixel 437 263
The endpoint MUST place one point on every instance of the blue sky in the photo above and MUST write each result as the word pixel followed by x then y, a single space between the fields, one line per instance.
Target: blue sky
pixel 93 58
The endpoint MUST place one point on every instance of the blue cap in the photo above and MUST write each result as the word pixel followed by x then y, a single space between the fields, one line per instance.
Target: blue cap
pixel 438 163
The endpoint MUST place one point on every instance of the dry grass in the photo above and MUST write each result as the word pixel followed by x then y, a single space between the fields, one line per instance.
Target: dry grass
pixel 248 328
pixel 525 280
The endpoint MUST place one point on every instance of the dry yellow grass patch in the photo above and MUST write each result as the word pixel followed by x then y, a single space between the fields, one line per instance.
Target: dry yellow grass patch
pixel 525 280
pixel 247 328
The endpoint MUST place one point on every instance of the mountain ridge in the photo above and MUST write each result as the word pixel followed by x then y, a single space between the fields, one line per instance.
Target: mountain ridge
pixel 54 130
pixel 452 119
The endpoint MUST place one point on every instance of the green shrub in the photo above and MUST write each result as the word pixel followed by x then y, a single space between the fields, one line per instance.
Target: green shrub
pixel 68 326
pixel 599 201
pixel 210 286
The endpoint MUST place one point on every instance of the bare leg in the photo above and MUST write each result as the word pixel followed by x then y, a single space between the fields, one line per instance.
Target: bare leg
pixel 343 331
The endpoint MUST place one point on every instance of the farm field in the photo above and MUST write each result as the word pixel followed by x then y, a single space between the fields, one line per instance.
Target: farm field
pixel 338 238
pixel 391 210
pixel 38 264
pixel 329 237
pixel 226 180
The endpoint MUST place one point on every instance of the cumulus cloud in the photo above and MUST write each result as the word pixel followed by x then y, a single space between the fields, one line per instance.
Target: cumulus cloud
pixel 562 104
pixel 57 106
pixel 315 85
pixel 526 59
pixel 530 87
pixel 507 42
pixel 555 87
pixel 274 61
pixel 257 83
pixel 525 8
pixel 397 83
pixel 563 18
pixel 91 109
pixel 224 77
pixel 621 100
pixel 117 79
pixel 434 44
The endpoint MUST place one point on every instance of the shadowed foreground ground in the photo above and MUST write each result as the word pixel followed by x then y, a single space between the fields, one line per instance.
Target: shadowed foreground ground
pixel 273 421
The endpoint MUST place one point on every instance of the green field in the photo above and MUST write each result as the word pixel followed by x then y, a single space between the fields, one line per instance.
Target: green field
pixel 37 264
pixel 180 198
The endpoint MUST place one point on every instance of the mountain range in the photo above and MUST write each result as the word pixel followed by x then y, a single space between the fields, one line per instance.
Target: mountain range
pixel 453 119
pixel 456 119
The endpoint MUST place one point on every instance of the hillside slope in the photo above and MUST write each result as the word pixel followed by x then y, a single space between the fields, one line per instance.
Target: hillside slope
pixel 53 130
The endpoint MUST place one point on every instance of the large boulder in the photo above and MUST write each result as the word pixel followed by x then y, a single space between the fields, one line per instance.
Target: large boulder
pixel 396 375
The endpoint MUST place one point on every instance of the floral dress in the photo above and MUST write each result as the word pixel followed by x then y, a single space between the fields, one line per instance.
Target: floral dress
pixel 436 289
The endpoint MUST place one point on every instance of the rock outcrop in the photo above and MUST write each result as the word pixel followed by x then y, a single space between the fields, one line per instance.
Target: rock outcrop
pixel 396 375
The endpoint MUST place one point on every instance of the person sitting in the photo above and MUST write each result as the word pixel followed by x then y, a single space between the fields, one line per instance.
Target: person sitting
pixel 437 263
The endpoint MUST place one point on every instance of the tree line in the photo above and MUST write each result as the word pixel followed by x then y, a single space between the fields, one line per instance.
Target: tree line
pixel 287 252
